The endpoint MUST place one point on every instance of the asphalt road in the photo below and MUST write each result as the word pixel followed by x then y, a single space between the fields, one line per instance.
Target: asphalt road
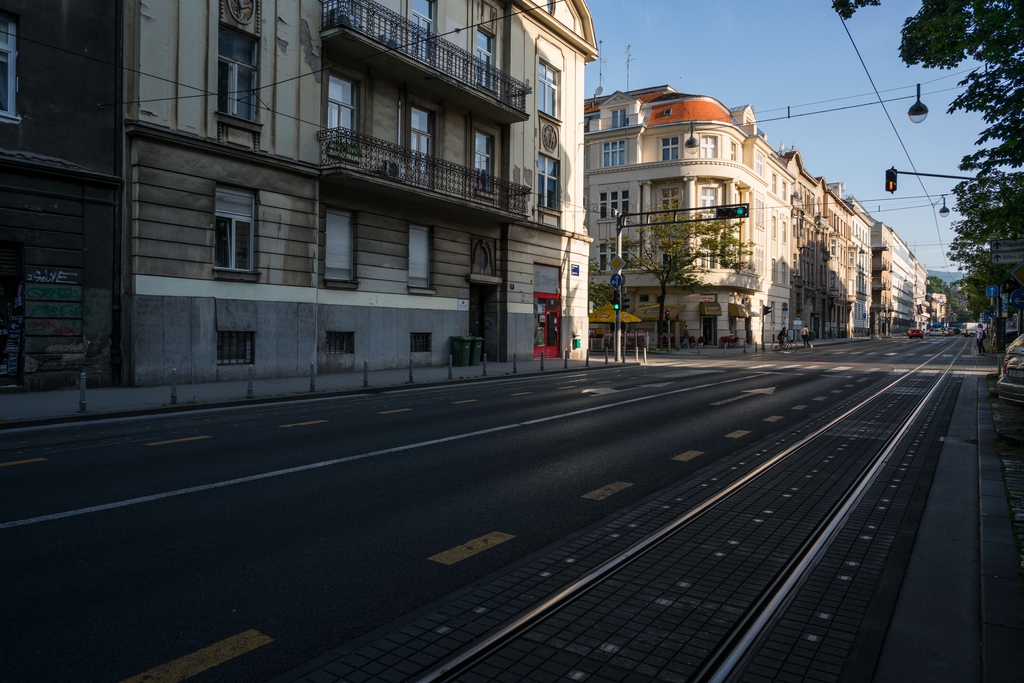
pixel 343 501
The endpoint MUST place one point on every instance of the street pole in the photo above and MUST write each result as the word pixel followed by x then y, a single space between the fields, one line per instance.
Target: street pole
pixel 618 314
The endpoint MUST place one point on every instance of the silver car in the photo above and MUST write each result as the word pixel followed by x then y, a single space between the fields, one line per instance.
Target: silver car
pixel 1011 377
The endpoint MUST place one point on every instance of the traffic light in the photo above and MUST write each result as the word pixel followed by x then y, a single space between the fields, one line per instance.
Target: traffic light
pixel 890 180
pixel 766 311
pixel 625 303
pixel 616 300
pixel 727 212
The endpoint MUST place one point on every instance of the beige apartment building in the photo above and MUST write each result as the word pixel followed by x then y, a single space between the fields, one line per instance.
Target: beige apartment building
pixel 653 148
pixel 350 180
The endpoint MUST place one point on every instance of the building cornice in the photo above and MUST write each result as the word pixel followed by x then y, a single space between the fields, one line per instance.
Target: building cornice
pixel 586 46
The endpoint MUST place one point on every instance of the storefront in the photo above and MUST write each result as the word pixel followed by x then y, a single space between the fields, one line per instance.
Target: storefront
pixel 12 316
pixel 709 314
pixel 739 322
pixel 546 310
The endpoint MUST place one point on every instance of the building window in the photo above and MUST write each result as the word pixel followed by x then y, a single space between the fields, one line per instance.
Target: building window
pixel 759 214
pixel 775 227
pixel 236 348
pixel 615 153
pixel 785 234
pixel 784 188
pixel 669 149
pixel 8 66
pixel 619 118
pixel 485 57
pixel 775 184
pixel 551 6
pixel 338 252
pixel 419 342
pixel 758 164
pixel 423 12
pixel 340 342
pixel 610 203
pixel 832 249
pixel 670 198
pixel 547 182
pixel 547 86
pixel 420 137
pixel 483 161
pixel 708 147
pixel 732 151
pixel 708 196
pixel 236 75
pixel 233 225
pixel 419 256
pixel 341 104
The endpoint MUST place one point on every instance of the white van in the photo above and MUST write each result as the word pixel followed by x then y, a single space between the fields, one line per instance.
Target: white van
pixel 970 329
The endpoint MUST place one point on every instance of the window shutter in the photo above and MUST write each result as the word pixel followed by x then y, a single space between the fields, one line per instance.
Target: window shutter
pixel 9 263
pixel 338 256
pixel 235 202
pixel 419 256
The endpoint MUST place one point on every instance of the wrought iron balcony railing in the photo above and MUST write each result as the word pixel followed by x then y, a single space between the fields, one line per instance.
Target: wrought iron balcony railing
pixel 398 34
pixel 343 148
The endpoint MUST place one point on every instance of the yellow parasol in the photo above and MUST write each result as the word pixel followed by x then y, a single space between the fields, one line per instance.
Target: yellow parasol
pixel 606 314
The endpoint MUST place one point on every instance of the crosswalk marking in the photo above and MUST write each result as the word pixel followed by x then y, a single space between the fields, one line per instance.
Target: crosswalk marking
pixel 840 368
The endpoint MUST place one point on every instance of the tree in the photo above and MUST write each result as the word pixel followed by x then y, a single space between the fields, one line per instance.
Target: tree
pixel 945 33
pixel 600 293
pixel 677 253
pixel 935 285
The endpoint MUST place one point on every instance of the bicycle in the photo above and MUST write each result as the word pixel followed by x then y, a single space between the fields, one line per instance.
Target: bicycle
pixel 787 345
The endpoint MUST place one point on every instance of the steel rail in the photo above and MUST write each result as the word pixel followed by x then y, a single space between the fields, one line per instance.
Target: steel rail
pixel 736 645
pixel 477 650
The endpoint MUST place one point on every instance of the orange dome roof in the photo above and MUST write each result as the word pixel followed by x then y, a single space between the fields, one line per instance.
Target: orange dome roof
pixel 689 110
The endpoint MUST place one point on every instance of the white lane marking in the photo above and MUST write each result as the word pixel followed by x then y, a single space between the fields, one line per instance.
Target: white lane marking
pixel 353 458
pixel 787 367
pixel 870 353
pixel 766 365
pixel 841 368
pixel 872 369
pixel 856 353
pixel 893 353
pixel 747 394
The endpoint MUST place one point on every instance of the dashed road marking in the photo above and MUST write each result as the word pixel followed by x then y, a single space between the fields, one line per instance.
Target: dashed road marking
pixel 468 400
pixel 837 391
pixel 303 424
pixel 892 353
pixel 798 407
pixel 872 369
pixel 521 393
pixel 605 491
pixel 688 455
pixel 397 410
pixel 820 398
pixel 477 545
pixel 772 418
pixel 207 658
pixel 840 368
pixel 737 434
pixel 169 441
pixel 864 379
pixel 21 462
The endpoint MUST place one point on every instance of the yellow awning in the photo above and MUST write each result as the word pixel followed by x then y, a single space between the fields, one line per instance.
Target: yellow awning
pixel 711 309
pixel 738 311
pixel 606 314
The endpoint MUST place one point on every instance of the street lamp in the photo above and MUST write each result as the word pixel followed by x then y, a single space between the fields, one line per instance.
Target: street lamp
pixel 691 142
pixel 918 112
pixel 944 211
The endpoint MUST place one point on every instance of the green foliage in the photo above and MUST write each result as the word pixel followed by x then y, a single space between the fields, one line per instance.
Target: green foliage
pixel 936 285
pixel 600 292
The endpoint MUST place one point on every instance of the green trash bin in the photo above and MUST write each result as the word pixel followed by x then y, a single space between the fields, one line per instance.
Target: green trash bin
pixel 476 350
pixel 461 347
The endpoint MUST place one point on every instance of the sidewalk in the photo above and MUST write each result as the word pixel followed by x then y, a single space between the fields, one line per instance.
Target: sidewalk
pixel 18 409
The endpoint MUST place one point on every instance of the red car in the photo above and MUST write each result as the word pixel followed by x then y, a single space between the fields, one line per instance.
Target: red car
pixel 915 333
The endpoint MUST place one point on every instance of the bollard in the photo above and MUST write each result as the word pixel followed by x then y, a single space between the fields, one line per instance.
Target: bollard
pixel 410 370
pixel 174 386
pixel 566 366
pixel 606 355
pixel 744 347
pixel 724 345
pixel 514 370
pixel 645 355
pixel 586 359
pixel 698 348
pixel 483 359
pixel 81 393
pixel 542 361
pixel 366 373
pixel 248 391
pixel 312 376
pixel 636 354
pixel 449 366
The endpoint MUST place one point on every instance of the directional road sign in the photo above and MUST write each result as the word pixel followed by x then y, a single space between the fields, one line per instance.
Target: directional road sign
pixel 1018 272
pixel 617 262
pixel 1017 298
pixel 1006 245
pixel 991 290
pixel 1006 257
pixel 616 280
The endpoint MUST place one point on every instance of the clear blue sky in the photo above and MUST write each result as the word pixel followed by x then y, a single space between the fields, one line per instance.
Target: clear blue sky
pixel 795 53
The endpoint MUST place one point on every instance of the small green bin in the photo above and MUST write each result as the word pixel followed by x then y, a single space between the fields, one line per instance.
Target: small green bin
pixel 476 350
pixel 461 349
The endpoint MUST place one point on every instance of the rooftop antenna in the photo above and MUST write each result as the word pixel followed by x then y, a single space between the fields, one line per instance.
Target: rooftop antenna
pixel 629 59
pixel 600 65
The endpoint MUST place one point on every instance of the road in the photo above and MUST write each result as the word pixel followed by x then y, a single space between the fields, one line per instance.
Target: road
pixel 290 529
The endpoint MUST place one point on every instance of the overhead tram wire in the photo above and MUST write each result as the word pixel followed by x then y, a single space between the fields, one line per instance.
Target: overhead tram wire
pixel 898 137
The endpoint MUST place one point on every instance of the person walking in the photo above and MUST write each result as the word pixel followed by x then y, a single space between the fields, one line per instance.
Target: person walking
pixel 685 337
pixel 806 335
pixel 981 339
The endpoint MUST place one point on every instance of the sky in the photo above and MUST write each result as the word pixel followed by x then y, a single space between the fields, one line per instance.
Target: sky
pixel 795 53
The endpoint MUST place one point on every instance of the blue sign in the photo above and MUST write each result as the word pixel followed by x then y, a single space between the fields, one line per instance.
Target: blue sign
pixel 1017 298
pixel 992 290
pixel 616 280
pixel 575 270
pixel 985 317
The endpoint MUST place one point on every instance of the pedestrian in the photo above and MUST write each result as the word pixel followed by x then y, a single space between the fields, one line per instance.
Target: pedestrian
pixel 981 339
pixel 782 336
pixel 685 337
pixel 806 335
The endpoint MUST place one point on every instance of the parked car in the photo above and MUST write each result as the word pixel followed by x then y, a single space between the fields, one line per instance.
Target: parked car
pixel 935 330
pixel 1011 378
pixel 915 333
pixel 970 329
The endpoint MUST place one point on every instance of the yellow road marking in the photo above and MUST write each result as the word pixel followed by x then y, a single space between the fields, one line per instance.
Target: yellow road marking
pixel 207 658
pixel 389 412
pixel 772 418
pixel 799 407
pixel 522 393
pixel 477 545
pixel 187 438
pixel 303 424
pixel 737 434
pixel 688 455
pixel 605 491
pixel 21 462
pixel 468 400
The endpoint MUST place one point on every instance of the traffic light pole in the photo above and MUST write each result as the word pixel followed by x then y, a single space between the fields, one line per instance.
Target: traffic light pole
pixel 619 223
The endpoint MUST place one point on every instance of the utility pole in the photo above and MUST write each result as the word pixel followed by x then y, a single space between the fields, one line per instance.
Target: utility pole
pixel 620 222
pixel 628 60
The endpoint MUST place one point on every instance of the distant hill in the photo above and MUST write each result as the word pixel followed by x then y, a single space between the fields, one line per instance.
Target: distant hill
pixel 947 277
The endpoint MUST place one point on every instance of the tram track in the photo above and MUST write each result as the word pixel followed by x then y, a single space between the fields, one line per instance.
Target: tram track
pixel 722 662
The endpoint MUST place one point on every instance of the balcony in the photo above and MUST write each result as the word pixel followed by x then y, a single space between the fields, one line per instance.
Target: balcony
pixel 880 247
pixel 880 285
pixel 386 41
pixel 343 150
pixel 881 265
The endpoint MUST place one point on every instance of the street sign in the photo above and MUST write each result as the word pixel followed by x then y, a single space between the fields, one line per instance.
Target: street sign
pixel 1017 298
pixel 991 290
pixel 616 280
pixel 1018 272
pixel 1005 257
pixel 617 262
pixel 1006 245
